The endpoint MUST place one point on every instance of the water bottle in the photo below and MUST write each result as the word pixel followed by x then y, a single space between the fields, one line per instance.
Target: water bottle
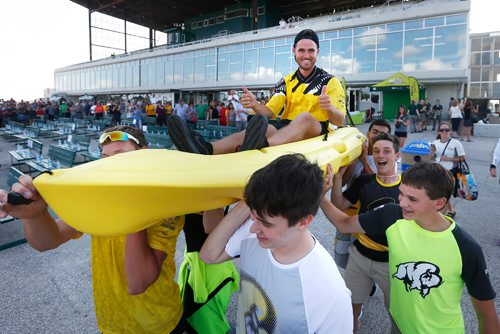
pixel 18 148
pixel 39 158
pixel 58 164
pixel 59 142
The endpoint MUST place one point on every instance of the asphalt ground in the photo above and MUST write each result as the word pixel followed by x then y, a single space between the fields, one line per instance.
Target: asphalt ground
pixel 51 292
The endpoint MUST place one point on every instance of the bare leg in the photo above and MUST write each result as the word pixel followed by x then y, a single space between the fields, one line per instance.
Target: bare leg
pixel 402 141
pixel 302 127
pixel 230 143
pixel 356 311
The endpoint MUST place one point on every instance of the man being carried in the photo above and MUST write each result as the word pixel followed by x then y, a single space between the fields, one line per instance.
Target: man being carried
pixel 430 257
pixel 311 99
pixel 289 282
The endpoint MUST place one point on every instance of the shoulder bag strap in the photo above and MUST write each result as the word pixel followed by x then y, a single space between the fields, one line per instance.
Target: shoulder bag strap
pixel 442 154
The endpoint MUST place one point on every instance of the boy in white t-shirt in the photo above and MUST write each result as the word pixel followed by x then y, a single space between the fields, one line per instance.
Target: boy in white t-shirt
pixel 289 282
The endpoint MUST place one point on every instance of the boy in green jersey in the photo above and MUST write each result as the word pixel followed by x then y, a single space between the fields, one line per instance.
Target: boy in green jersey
pixel 430 257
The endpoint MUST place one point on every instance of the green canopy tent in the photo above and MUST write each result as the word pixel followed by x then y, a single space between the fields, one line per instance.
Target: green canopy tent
pixel 398 89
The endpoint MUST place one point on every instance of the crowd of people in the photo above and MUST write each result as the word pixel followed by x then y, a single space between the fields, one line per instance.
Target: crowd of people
pixel 288 282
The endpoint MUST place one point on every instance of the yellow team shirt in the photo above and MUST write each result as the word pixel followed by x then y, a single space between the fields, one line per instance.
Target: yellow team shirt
pixel 151 110
pixel 297 94
pixel 159 308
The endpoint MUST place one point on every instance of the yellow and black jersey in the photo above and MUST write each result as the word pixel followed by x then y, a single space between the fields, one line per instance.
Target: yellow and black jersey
pixel 298 94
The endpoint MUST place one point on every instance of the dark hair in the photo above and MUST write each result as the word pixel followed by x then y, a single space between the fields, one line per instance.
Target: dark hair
pixel 290 187
pixel 387 136
pixel 436 180
pixel 380 122
pixel 438 136
pixel 404 108
pixel 306 34
pixel 137 133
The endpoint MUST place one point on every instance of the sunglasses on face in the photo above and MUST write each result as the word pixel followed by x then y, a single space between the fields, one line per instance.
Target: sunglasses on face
pixel 117 136
pixel 444 130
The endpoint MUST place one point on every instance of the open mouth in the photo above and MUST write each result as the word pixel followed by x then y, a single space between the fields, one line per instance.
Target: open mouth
pixel 382 163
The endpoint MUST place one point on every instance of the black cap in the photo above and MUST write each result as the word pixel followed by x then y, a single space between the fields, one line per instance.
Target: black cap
pixel 306 34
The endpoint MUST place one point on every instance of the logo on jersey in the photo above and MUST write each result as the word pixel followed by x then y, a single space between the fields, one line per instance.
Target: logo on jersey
pixel 421 276
pixel 259 313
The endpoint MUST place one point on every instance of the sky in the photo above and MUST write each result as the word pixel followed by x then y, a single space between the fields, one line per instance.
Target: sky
pixel 37 37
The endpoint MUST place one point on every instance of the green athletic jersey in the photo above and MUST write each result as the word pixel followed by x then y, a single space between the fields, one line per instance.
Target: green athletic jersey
pixel 428 271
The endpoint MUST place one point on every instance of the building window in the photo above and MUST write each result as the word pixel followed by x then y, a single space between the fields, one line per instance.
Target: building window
pixel 236 13
pixel 261 10
pixel 219 19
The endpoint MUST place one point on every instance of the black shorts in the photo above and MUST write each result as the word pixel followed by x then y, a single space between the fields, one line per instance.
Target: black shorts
pixel 468 122
pixel 324 125
pixel 401 134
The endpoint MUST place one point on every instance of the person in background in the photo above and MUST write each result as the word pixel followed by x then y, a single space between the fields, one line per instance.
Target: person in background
pixel 180 110
pixel 150 109
pixel 401 126
pixel 222 114
pixel 191 114
pixel 437 109
pixel 495 159
pixel 455 113
pixel 469 111
pixel 414 114
pixel 202 110
pixel 132 275
pixel 448 152
pixel 160 114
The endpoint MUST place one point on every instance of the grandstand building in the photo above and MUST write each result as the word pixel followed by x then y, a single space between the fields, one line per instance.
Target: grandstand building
pixel 234 44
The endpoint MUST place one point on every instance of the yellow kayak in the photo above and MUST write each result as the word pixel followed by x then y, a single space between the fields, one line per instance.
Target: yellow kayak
pixel 131 191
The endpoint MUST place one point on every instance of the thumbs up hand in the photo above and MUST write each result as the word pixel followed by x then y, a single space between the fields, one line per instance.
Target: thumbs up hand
pixel 324 100
pixel 248 100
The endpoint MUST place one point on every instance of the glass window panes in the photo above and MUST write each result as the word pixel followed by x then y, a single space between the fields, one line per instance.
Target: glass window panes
pixel 450 47
pixel 280 41
pixel 389 52
pixel 266 63
pixel 290 40
pixel 496 45
pixel 475 74
pixel 236 65
pixel 496 74
pixel 341 56
pixel 258 44
pixel 136 74
pixel 331 34
pixel 248 46
pixel 485 58
pixel 188 74
pixel 360 31
pixel 169 71
pixel 474 89
pixel 250 69
pixel 364 54
pixel 485 73
pixel 345 33
pixel 475 44
pixel 434 21
pixel 398 26
pixel 160 73
pixel 456 19
pixel 210 68
pixel 223 67
pixel 414 24
pixel 496 57
pixel 475 58
pixel 199 69
pixel 151 74
pixel 323 60
pixel 282 61
pixel 178 75
pixel 486 89
pixel 487 43
pixel 417 50
pixel 269 42
pixel 496 90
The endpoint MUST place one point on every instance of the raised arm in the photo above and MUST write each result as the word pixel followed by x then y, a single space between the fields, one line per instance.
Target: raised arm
pixel 41 230
pixel 142 262
pixel 213 250
pixel 343 222
pixel 248 100
pixel 337 197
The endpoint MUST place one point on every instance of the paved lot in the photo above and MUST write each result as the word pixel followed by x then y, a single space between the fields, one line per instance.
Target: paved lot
pixel 51 292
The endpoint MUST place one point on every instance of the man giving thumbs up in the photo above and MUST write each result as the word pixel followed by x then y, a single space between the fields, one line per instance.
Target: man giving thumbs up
pixel 310 99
